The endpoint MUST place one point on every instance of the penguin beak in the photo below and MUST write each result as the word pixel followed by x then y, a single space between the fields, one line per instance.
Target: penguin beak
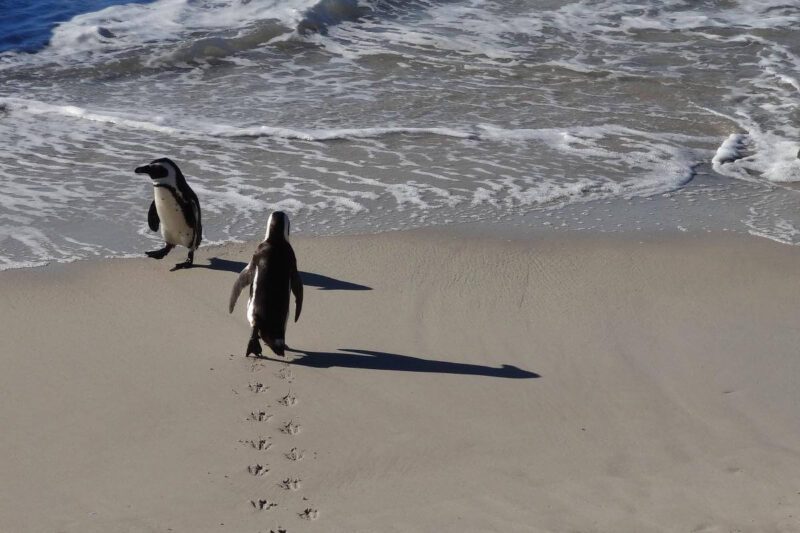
pixel 143 170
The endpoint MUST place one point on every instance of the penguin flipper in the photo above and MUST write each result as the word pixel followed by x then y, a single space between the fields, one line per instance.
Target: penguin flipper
pixel 245 279
pixel 152 217
pixel 190 207
pixel 197 224
pixel 297 289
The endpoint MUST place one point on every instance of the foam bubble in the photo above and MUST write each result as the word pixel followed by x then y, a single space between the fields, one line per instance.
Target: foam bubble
pixel 729 151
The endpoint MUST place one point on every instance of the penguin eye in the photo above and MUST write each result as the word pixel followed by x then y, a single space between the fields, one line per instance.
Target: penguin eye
pixel 158 172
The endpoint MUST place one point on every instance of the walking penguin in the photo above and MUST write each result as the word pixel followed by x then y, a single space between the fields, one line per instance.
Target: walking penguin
pixel 271 275
pixel 175 207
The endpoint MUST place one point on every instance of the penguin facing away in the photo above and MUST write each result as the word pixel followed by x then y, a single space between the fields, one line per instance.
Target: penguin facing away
pixel 271 274
pixel 175 208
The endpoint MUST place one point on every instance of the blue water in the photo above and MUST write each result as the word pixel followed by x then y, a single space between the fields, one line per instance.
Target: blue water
pixel 27 26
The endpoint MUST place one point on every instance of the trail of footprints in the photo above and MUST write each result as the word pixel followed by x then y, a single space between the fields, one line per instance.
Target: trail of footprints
pixel 259 419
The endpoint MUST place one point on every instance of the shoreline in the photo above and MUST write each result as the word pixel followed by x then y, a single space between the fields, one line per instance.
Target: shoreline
pixel 698 208
pixel 474 232
pixel 443 383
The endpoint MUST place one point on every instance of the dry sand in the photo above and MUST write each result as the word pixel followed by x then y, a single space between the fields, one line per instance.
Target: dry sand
pixel 447 384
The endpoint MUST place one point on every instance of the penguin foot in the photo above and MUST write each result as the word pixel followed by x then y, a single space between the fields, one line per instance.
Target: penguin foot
pixel 278 346
pixel 179 266
pixel 253 347
pixel 186 264
pixel 159 254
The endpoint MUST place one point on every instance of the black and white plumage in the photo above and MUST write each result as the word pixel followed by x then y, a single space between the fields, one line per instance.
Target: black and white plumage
pixel 271 275
pixel 175 208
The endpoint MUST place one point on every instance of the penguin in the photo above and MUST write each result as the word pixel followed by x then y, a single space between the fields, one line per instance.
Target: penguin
pixel 175 207
pixel 271 274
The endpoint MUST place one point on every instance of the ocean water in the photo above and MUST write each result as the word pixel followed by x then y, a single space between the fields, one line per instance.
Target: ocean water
pixel 372 115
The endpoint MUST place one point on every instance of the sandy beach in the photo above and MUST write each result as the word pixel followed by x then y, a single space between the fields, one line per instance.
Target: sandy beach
pixel 439 383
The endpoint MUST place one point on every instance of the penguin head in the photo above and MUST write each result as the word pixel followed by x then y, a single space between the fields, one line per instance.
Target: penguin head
pixel 277 227
pixel 162 171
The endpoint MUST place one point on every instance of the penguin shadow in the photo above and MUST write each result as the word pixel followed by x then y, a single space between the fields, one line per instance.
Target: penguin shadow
pixel 310 279
pixel 326 283
pixel 223 265
pixel 372 360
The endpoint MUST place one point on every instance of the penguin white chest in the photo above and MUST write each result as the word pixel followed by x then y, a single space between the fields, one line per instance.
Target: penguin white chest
pixel 174 228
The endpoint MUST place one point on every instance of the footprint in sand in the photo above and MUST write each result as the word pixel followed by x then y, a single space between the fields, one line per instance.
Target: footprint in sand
pixel 260 443
pixel 290 484
pixel 255 367
pixel 257 387
pixel 288 400
pixel 309 514
pixel 263 505
pixel 259 416
pixel 290 428
pixel 294 455
pixel 286 374
pixel 257 470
